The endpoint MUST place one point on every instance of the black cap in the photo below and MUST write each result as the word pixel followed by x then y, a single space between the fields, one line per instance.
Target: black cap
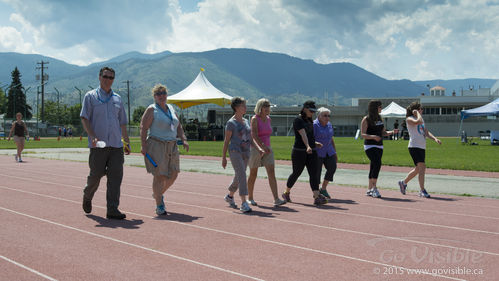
pixel 310 104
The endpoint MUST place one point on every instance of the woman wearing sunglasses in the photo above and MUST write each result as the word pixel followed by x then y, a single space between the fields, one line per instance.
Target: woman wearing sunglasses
pixel 159 147
pixel 324 133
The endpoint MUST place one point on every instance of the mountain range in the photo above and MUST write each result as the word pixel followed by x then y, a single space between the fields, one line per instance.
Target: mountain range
pixel 249 73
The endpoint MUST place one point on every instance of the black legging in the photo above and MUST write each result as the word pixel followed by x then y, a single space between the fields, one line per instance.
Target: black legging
pixel 330 163
pixel 374 154
pixel 301 159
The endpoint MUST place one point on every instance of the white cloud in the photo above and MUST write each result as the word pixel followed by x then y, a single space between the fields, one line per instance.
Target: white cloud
pixel 11 40
pixel 456 39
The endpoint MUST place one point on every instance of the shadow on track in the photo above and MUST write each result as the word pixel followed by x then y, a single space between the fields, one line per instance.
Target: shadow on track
pixel 126 224
pixel 177 217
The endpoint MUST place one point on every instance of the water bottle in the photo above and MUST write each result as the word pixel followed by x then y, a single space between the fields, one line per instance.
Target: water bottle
pixel 100 144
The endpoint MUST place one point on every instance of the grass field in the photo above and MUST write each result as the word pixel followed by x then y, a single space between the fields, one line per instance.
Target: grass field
pixel 450 155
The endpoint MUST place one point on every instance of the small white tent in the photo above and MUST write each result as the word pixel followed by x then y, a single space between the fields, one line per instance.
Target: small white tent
pixel 200 91
pixel 393 110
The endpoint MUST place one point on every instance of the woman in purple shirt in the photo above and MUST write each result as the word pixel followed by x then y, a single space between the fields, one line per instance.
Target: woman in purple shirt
pixel 324 132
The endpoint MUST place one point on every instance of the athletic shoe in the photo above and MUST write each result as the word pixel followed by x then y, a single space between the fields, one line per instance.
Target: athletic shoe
pixel 320 200
pixel 20 160
pixel 116 215
pixel 160 210
pixel 369 192
pixel 245 207
pixel 324 192
pixel 252 202
pixel 403 187
pixel 375 193
pixel 87 206
pixel 279 202
pixel 230 200
pixel 17 159
pixel 286 196
pixel 423 193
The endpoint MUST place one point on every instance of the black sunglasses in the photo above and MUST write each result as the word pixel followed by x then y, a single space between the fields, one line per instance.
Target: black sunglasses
pixel 108 77
pixel 160 93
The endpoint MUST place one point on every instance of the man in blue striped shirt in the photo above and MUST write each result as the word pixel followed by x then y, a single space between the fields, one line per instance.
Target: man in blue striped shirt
pixel 104 119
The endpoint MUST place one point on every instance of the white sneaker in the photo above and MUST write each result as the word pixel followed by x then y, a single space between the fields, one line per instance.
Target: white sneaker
pixel 252 202
pixel 245 207
pixel 279 202
pixel 230 200
pixel 375 193
pixel 369 192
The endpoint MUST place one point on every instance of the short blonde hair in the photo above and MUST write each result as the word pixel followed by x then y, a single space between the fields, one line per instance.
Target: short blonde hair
pixel 159 88
pixel 322 110
pixel 261 103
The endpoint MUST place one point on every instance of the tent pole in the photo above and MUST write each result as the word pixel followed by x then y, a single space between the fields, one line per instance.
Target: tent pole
pixel 460 128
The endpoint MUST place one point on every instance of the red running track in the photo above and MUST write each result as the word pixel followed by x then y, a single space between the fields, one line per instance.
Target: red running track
pixel 46 235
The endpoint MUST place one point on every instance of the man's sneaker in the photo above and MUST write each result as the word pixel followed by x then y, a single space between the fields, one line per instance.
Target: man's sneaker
pixel 375 193
pixel 369 192
pixel 245 207
pixel 286 196
pixel 320 200
pixel 252 202
pixel 116 215
pixel 230 200
pixel 324 192
pixel 403 187
pixel 423 193
pixel 160 210
pixel 279 202
pixel 87 206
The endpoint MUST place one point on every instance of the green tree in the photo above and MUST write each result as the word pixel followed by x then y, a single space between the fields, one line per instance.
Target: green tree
pixel 137 114
pixel 16 97
pixel 3 102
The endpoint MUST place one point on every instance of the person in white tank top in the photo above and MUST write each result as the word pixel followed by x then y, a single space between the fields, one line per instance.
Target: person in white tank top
pixel 417 147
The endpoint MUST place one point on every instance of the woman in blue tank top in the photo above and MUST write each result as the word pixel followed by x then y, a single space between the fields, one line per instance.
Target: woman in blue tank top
pixel 159 147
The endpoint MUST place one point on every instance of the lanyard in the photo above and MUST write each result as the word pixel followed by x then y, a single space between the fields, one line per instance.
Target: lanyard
pixel 101 100
pixel 168 114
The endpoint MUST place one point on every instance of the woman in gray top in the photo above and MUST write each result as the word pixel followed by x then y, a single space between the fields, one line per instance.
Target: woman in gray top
pixel 238 134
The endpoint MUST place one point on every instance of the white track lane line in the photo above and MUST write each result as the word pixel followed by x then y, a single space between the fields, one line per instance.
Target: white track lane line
pixel 281 220
pixel 317 209
pixel 300 196
pixel 404 269
pixel 28 268
pixel 130 244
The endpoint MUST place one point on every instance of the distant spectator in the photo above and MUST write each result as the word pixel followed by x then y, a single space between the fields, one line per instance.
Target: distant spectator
pixel 396 126
pixel 20 131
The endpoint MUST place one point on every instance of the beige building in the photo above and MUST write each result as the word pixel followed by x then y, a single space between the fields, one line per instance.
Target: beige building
pixel 441 113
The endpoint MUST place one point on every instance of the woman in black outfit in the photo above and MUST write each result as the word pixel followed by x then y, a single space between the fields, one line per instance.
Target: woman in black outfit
pixel 303 153
pixel 20 131
pixel 373 130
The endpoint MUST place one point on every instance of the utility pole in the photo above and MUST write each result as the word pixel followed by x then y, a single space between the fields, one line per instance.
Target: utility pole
pixel 128 94
pixel 42 78
pixel 58 109
pixel 79 91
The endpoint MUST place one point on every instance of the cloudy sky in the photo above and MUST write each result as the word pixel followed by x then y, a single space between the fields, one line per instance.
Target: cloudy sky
pixel 395 39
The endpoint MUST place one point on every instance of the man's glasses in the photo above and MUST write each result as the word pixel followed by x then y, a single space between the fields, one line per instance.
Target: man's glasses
pixel 326 115
pixel 108 77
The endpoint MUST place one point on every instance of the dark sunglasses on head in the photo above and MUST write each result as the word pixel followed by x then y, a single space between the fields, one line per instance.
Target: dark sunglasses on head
pixel 160 93
pixel 108 77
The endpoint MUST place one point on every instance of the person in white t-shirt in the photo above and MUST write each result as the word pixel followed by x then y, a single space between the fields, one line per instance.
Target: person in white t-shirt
pixel 417 146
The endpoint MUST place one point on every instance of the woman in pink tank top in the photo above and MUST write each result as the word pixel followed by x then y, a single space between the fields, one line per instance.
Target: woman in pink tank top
pixel 261 153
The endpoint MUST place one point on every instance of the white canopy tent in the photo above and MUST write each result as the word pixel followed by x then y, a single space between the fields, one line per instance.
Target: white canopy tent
pixel 200 91
pixel 393 110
